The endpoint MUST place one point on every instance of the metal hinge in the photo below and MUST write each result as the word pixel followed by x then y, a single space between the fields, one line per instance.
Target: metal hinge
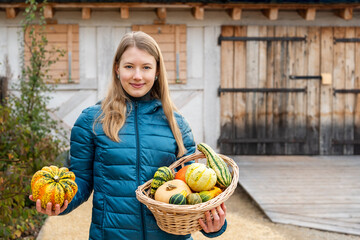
pixel 268 39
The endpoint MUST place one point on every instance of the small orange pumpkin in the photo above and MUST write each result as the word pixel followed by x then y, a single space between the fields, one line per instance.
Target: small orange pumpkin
pixel 53 184
pixel 181 173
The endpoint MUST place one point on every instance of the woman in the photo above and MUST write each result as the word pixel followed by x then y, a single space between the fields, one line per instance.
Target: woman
pixel 119 144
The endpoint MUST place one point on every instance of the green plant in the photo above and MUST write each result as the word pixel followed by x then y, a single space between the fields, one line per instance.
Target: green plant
pixel 29 137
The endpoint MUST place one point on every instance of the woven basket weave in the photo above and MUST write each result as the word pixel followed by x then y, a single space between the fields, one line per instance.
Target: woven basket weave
pixel 183 219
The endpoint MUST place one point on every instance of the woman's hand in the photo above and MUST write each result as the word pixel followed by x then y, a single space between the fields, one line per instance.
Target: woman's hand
pixel 219 215
pixel 48 209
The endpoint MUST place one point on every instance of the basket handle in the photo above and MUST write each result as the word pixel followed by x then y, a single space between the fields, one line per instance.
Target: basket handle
pixel 184 160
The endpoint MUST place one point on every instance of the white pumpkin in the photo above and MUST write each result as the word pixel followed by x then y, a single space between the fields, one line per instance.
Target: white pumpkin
pixel 199 177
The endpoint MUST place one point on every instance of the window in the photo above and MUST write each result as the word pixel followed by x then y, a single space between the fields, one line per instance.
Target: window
pixel 64 37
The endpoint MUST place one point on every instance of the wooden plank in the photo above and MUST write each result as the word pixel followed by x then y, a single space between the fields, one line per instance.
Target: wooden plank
pixel 300 109
pixel 338 120
pixel 311 223
pixel 316 192
pixel 357 97
pixel 261 97
pixel 270 79
pixel 326 91
pixel 291 98
pixel 279 75
pixel 252 80
pixel 349 84
pixel 226 100
pixel 313 91
pixel 239 82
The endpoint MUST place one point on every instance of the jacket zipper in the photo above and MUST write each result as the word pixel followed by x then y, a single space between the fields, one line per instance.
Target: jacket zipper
pixel 138 166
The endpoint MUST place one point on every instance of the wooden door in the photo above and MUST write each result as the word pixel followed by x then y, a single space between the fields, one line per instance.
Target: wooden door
pixel 273 100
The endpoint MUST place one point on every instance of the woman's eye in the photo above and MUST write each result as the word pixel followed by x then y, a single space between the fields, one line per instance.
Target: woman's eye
pixel 128 66
pixel 147 67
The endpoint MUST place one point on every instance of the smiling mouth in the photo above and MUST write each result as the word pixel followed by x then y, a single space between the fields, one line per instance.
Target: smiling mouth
pixel 137 85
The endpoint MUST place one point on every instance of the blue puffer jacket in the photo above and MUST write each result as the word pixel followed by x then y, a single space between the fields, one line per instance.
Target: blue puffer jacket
pixel 115 170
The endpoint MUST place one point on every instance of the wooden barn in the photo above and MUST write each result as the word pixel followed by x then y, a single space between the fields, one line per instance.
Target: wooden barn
pixel 277 77
pixel 271 77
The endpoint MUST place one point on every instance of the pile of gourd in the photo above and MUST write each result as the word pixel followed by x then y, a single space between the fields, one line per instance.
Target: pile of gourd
pixel 194 183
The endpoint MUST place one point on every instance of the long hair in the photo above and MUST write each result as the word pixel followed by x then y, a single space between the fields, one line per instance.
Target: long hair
pixel 113 107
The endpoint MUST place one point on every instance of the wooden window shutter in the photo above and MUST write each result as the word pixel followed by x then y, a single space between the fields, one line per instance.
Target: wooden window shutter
pixel 172 42
pixel 64 37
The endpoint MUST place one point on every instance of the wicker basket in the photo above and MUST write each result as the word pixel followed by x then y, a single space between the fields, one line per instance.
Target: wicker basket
pixel 183 219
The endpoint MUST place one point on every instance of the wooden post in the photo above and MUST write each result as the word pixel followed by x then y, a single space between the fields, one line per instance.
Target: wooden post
pixel 271 13
pixel 308 14
pixel 346 13
pixel 124 12
pixel 161 13
pixel 235 13
pixel 198 13
pixel 86 13
pixel 48 12
pixel 11 12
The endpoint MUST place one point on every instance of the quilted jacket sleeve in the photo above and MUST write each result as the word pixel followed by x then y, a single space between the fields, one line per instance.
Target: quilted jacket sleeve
pixel 81 158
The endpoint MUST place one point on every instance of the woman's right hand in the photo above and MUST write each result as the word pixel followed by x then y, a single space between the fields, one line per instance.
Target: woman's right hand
pixel 48 209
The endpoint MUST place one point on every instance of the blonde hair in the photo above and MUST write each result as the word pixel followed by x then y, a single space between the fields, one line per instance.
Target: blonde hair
pixel 113 107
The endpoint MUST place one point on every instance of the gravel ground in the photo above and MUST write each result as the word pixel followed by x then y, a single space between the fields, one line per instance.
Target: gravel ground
pixel 245 222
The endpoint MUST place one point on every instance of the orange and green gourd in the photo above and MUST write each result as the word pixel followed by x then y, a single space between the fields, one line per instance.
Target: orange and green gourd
pixel 53 184
pixel 208 195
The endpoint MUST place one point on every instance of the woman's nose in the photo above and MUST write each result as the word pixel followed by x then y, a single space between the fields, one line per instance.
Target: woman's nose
pixel 137 74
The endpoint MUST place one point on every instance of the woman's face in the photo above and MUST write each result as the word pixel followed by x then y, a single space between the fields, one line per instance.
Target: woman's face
pixel 137 70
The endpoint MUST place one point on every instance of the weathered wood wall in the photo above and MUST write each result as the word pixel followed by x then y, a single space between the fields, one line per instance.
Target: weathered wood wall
pixel 310 117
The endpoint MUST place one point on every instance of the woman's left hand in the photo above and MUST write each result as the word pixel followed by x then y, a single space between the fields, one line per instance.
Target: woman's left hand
pixel 219 215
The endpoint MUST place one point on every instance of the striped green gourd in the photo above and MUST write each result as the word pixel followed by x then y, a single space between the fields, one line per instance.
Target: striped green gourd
pixel 162 175
pixel 179 198
pixel 217 164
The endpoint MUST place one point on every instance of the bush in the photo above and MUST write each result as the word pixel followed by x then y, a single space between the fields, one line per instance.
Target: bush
pixel 29 137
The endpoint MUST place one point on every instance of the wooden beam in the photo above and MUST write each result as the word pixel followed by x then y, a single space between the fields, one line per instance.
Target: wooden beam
pixel 346 13
pixel 124 12
pixel 86 13
pixel 308 14
pixel 235 13
pixel 48 12
pixel 271 13
pixel 161 13
pixel 11 12
pixel 198 13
